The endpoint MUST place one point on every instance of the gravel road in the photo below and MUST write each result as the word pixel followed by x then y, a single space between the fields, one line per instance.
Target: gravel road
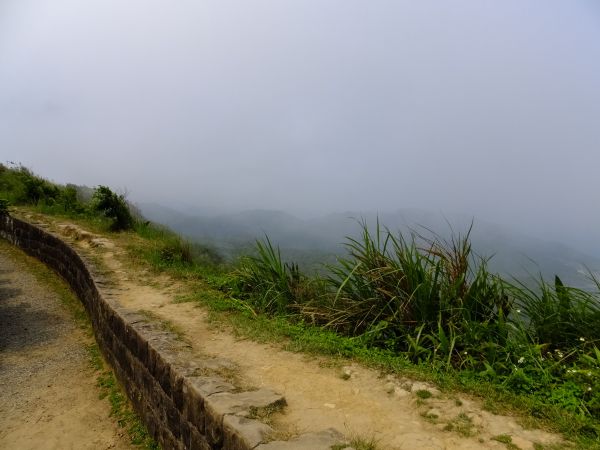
pixel 48 393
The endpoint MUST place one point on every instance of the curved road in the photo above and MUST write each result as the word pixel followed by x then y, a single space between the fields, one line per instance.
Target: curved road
pixel 48 393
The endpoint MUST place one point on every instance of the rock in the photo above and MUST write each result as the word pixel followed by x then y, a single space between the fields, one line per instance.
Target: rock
pixel 390 388
pixel 322 440
pixel 400 393
pixel 240 432
pixel 347 372
pixel 417 441
pixel 433 413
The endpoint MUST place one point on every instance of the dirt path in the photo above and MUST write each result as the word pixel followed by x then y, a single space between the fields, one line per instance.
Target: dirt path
pixel 355 400
pixel 48 394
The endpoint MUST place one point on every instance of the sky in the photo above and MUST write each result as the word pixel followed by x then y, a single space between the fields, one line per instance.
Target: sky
pixel 486 108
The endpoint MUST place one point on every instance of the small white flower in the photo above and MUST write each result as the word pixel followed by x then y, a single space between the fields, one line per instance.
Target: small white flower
pixel 582 339
pixel 521 360
pixel 518 311
pixel 589 388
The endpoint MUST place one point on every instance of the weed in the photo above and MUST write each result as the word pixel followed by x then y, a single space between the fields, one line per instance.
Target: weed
pixel 507 440
pixel 423 394
pixel 120 407
pixel 461 424
pixel 359 443
pixel 430 417
pixel 266 414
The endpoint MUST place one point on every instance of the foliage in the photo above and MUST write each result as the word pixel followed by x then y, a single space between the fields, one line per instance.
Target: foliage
pixel 405 296
pixel 165 250
pixel 392 299
pixel 435 303
pixel 20 186
pixel 556 315
pixel 269 284
pixel 113 206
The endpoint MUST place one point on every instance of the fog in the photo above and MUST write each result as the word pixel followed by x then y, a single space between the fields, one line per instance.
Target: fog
pixel 484 108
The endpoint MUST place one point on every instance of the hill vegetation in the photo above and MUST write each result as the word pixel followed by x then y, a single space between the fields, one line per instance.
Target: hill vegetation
pixel 310 242
pixel 393 299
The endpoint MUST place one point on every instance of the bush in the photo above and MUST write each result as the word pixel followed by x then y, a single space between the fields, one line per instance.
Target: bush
pixel 3 207
pixel 271 285
pixel 69 199
pixel 114 207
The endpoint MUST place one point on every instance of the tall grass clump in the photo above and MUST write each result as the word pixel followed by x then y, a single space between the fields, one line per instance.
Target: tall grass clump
pixel 269 284
pixel 560 359
pixel 422 296
pixel 558 316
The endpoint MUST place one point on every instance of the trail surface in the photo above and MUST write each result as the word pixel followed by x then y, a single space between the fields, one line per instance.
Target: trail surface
pixel 355 400
pixel 48 394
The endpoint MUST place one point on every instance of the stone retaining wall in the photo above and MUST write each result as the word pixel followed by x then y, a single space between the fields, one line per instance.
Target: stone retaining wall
pixel 183 401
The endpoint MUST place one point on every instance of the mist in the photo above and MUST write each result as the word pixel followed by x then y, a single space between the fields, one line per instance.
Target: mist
pixel 482 108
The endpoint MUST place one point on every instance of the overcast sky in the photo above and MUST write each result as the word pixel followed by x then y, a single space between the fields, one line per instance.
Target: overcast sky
pixel 489 108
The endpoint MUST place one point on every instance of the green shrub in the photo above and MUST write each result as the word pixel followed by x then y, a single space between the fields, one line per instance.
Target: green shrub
pixel 114 207
pixel 3 206
pixel 69 199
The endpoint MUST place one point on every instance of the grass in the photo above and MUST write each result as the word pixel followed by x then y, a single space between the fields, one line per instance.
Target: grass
pixel 109 388
pixel 120 408
pixel 209 288
pixel 461 424
pixel 433 303
pixel 506 440
pixel 423 394
pixel 419 305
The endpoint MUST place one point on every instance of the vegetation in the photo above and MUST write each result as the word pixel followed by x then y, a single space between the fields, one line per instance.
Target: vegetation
pixel 114 207
pixel 420 304
pixel 437 305
pixel 120 409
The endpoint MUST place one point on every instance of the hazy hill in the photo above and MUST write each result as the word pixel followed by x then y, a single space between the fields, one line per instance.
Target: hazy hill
pixel 312 241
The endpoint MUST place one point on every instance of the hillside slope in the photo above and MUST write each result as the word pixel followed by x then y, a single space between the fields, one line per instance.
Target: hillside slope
pixel 317 240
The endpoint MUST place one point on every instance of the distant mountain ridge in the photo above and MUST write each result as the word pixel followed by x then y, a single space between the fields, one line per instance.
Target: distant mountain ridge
pixel 320 239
